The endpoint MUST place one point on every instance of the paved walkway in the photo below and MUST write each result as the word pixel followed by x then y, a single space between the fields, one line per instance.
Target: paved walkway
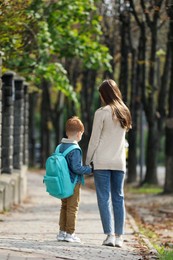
pixel 29 231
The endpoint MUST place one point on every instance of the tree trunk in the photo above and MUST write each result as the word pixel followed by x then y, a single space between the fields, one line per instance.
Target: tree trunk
pixel 123 79
pixel 57 116
pixel 44 130
pixel 132 159
pixel 151 155
pixel 87 104
pixel 152 140
pixel 137 96
pixel 168 187
pixel 110 29
pixel 32 106
pixel 163 93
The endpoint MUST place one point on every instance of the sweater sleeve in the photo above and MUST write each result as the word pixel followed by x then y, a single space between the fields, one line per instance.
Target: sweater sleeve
pixel 95 135
pixel 75 163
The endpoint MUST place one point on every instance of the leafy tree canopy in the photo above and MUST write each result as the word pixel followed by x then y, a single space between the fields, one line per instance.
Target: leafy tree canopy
pixel 37 35
pixel 12 16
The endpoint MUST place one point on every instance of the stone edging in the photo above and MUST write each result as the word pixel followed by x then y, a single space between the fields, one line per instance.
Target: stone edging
pixel 134 226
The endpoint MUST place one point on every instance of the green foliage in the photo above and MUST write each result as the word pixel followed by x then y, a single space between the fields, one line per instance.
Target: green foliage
pixel 12 15
pixel 75 30
pixel 38 36
pixel 57 75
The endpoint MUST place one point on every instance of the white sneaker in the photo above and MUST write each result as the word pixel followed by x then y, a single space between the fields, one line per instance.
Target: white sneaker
pixel 119 241
pixel 109 241
pixel 72 238
pixel 61 236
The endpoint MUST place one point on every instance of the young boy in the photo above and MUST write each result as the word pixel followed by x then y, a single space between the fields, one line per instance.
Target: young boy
pixel 69 206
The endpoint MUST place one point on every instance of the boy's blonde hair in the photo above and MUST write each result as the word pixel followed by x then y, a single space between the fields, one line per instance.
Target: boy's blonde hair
pixel 74 125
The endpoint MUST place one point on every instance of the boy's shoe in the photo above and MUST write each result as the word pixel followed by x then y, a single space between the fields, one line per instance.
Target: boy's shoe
pixel 109 241
pixel 119 241
pixel 61 236
pixel 72 238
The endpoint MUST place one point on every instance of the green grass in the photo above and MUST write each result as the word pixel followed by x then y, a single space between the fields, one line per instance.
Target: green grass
pixel 145 189
pixel 147 232
pixel 164 254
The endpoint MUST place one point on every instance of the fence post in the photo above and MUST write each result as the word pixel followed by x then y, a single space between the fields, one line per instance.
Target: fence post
pixel 18 122
pixel 26 125
pixel 7 121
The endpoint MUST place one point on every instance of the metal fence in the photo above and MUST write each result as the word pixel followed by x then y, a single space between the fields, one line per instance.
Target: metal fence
pixel 14 116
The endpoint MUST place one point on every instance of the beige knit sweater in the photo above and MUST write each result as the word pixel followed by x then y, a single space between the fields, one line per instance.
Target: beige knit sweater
pixel 107 143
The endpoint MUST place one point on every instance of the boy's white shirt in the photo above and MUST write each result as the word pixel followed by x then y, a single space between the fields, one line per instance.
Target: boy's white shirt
pixel 69 141
pixel 107 143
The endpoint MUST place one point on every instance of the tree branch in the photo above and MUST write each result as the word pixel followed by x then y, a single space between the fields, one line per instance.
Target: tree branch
pixel 134 12
pixel 148 20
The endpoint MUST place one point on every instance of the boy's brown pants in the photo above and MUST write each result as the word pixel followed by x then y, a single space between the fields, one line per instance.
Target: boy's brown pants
pixel 69 210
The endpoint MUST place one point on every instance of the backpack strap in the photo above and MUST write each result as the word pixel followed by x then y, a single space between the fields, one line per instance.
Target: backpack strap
pixel 57 149
pixel 68 150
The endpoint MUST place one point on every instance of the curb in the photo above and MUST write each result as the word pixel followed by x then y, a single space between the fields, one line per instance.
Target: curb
pixel 152 250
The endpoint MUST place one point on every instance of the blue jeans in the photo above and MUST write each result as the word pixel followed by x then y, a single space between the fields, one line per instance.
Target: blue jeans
pixel 110 195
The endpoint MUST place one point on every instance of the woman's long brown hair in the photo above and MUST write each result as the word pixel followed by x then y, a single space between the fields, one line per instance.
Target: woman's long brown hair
pixel 111 95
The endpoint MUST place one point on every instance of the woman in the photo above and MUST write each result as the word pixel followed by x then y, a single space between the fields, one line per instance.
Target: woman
pixel 106 151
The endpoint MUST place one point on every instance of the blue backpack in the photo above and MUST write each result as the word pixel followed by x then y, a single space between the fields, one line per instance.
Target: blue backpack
pixel 57 177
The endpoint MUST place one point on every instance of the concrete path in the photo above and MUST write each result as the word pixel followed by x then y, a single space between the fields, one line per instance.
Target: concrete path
pixel 29 231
